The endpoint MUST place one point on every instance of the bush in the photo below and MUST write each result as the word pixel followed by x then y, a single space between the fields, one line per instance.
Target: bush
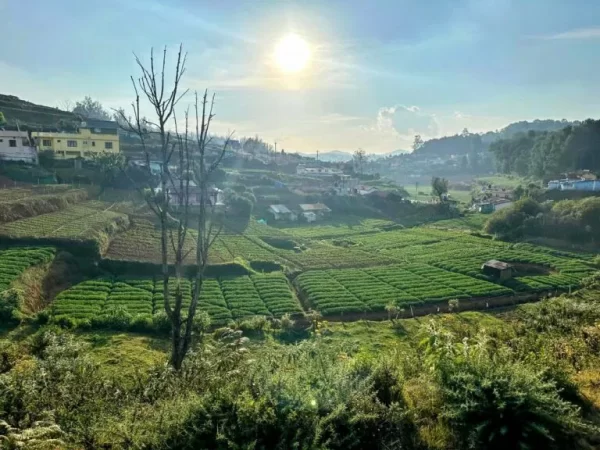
pixel 11 301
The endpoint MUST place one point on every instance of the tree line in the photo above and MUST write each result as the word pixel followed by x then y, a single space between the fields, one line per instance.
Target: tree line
pixel 547 154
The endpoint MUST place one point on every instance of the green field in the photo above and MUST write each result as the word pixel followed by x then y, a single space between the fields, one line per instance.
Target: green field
pixel 343 265
pixel 224 299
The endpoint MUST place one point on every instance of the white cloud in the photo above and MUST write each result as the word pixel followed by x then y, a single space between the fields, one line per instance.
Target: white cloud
pixel 407 120
pixel 579 33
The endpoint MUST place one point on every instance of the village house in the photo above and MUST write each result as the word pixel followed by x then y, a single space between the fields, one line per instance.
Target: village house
pixel 312 211
pixel 282 212
pixel 17 146
pixel 215 195
pixel 301 169
pixel 93 137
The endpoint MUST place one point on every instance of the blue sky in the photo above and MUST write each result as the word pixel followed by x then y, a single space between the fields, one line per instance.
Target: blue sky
pixel 380 71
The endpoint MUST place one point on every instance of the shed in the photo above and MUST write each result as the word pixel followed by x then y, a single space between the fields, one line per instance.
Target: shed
pixel 310 217
pixel 486 208
pixel 317 208
pixel 281 212
pixel 497 269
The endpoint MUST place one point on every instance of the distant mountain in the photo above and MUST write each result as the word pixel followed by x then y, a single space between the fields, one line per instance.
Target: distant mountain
pixel 332 156
pixel 466 142
pixel 524 126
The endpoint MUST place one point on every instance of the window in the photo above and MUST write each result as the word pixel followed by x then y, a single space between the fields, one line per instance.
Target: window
pixel 108 145
pixel 73 153
pixel 1 140
pixel 47 143
pixel 58 140
pixel 84 142
pixel 71 143
pixel 93 144
pixel 12 142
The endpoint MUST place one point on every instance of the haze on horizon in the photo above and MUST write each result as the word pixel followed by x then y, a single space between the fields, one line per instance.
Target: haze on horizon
pixel 333 75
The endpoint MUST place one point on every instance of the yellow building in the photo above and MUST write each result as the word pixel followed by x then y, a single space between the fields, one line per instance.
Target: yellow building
pixel 93 137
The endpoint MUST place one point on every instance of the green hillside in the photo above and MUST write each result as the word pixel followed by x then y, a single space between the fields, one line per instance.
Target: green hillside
pixel 29 116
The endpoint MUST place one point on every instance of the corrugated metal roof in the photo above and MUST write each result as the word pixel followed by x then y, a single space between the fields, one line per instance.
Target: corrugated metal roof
pixel 497 264
pixel 280 209
pixel 97 123
pixel 314 207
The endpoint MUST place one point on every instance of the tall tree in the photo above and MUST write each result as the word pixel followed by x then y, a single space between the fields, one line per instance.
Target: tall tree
pixel 91 109
pixel 439 187
pixel 170 201
pixel 359 160
pixel 418 142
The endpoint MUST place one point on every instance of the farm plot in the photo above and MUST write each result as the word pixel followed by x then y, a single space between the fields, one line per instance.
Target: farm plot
pixel 327 295
pixel 470 264
pixel 372 289
pixel 8 195
pixel 15 261
pixel 321 255
pixel 141 242
pixel 131 298
pixel 275 291
pixel 83 301
pixel 225 299
pixel 357 226
pixel 75 222
pixel 242 297
pixel 253 249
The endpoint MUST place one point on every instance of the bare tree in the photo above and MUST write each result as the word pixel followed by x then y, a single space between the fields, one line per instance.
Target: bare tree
pixel 171 201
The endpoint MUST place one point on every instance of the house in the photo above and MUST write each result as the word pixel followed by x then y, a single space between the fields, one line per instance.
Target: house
pixel 282 212
pixel 310 216
pixel 17 146
pixel 365 190
pixel 93 137
pixel 301 169
pixel 215 195
pixel 497 269
pixel 319 209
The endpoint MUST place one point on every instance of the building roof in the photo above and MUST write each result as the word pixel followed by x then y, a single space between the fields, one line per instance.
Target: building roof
pixel 96 123
pixel 497 264
pixel 307 207
pixel 280 209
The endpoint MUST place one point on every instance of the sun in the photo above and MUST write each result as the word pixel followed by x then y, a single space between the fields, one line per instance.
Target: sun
pixel 292 53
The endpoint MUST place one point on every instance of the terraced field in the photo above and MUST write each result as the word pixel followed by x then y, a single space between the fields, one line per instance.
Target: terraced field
pixel 224 299
pixel 14 261
pixel 141 242
pixel 352 227
pixel 334 292
pixel 76 222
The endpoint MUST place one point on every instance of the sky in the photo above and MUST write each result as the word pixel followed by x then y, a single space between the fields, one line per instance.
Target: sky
pixel 379 71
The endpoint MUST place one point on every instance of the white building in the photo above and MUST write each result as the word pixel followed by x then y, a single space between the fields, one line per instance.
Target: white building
pixel 301 169
pixel 16 146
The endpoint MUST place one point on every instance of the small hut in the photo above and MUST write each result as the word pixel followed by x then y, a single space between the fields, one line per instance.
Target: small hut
pixel 497 269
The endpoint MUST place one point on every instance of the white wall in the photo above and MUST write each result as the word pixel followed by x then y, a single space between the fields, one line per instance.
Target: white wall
pixel 22 151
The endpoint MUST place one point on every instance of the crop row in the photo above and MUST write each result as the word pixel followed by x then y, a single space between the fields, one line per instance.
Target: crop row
pixel 16 260
pixel 372 289
pixel 351 226
pixel 141 242
pixel 74 222
pixel 224 299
